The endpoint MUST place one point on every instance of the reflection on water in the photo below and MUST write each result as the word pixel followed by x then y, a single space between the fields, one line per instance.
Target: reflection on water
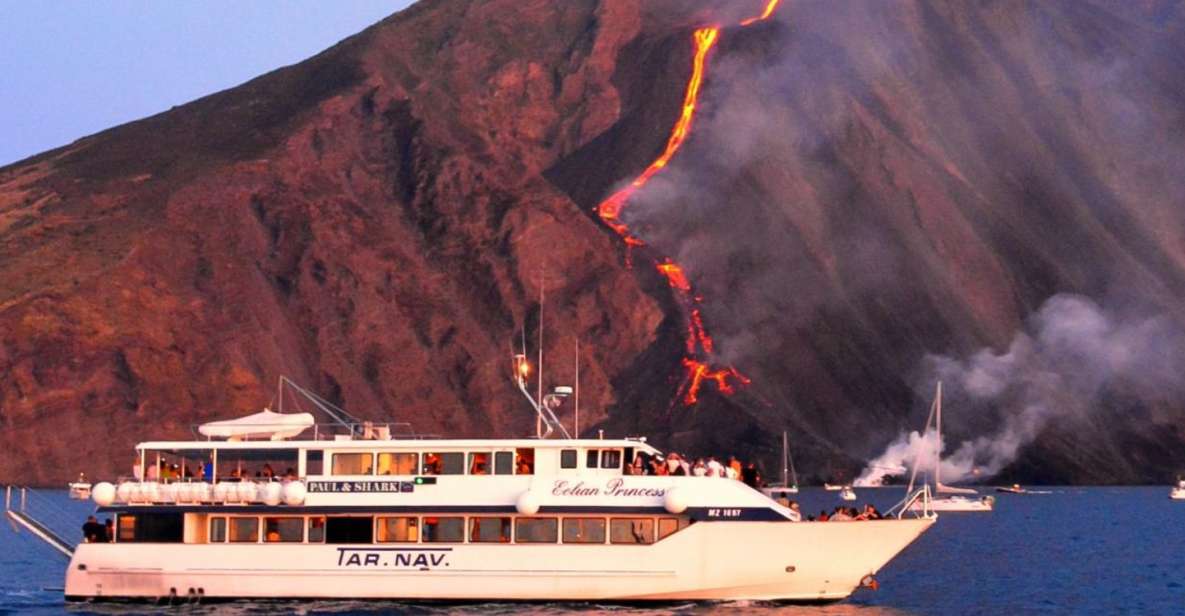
pixel 1078 550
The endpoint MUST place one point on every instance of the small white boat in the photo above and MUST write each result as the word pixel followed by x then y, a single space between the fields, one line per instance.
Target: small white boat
pixel 81 489
pixel 1178 493
pixel 959 499
pixel 832 487
pixel 847 494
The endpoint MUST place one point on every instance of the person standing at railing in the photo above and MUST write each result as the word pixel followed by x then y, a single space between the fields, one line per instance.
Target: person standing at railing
pixel 92 530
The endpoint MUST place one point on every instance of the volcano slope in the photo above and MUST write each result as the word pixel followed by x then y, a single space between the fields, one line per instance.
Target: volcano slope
pixel 868 185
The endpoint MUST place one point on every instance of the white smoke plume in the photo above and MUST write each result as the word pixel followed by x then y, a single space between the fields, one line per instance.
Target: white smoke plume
pixel 1059 368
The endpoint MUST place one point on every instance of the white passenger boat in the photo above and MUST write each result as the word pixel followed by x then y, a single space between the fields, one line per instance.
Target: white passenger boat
pixel 1178 492
pixel 359 513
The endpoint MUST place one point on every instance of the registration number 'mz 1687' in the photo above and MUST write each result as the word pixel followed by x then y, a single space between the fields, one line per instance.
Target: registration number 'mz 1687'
pixel 724 513
pixel 423 559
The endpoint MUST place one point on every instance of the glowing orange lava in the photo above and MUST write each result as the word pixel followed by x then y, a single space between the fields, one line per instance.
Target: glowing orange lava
pixel 699 345
pixel 610 209
pixel 769 10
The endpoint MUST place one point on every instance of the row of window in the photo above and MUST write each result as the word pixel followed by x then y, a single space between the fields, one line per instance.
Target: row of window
pixel 518 462
pixel 440 529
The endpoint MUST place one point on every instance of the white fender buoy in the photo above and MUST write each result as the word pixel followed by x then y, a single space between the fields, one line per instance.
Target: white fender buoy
pixel 272 493
pixel 247 491
pixel 226 492
pixel 200 492
pixel 294 493
pixel 674 501
pixel 149 492
pixel 527 503
pixel 125 492
pixel 103 493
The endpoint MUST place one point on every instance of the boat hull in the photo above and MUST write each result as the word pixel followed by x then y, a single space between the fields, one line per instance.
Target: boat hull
pixel 1177 494
pixel 984 504
pixel 783 561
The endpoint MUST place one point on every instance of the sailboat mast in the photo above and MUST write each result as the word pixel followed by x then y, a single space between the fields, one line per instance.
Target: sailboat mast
pixel 938 441
pixel 785 467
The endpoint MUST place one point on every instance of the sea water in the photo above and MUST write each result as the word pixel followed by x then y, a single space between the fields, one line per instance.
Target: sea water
pixel 1073 551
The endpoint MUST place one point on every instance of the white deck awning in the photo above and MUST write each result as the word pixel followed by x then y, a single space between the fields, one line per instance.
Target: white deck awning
pixel 262 425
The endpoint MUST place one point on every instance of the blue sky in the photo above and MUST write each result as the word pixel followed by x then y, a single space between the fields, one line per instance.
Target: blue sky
pixel 71 68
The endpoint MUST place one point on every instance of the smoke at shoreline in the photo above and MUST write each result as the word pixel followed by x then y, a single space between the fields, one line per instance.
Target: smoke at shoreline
pixel 1059 368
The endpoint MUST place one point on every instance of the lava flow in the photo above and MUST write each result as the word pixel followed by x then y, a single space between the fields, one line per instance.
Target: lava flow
pixel 699 345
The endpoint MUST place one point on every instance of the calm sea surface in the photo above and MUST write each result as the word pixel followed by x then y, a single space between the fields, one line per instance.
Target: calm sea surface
pixel 1075 551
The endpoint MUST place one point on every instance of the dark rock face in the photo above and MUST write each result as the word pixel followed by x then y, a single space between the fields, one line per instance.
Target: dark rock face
pixel 865 185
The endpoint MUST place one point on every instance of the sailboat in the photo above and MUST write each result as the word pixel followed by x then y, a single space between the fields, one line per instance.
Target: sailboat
pixel 789 483
pixel 959 499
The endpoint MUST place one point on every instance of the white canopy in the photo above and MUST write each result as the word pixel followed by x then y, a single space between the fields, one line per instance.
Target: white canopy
pixel 265 424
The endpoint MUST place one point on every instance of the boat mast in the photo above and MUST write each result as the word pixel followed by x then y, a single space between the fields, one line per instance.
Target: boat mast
pixel 938 441
pixel 785 470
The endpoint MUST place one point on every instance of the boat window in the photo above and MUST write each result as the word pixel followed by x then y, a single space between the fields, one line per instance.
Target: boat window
pixel 349 530
pixel 397 464
pixel 398 530
pixel 353 463
pixel 479 463
pixel 444 463
pixel 217 530
pixel 611 458
pixel 567 458
pixel 668 526
pixel 444 530
pixel 244 530
pixel 283 530
pixel 314 462
pixel 584 530
pixel 151 527
pixel 631 530
pixel 503 463
pixel 524 462
pixel 316 529
pixel 592 459
pixel 536 530
pixel 489 530
pixel 127 528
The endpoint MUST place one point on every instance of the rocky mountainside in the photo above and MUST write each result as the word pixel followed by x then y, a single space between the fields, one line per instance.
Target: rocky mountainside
pixel 873 195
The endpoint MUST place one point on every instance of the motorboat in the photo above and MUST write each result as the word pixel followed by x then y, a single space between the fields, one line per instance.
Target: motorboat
pixel 847 494
pixel 1178 491
pixel 80 489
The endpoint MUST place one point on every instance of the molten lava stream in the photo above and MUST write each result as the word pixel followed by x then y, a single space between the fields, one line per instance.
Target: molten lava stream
pixel 769 10
pixel 699 343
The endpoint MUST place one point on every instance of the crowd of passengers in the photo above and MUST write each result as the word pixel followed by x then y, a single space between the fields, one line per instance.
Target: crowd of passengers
pixel 168 473
pixel 675 464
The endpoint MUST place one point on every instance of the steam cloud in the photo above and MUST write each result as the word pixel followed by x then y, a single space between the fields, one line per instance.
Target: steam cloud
pixel 1073 350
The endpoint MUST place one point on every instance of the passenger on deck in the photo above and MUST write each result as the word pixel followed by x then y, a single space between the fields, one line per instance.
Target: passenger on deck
pixel 522 467
pixel 108 530
pixel 795 512
pixel 92 531
pixel 823 517
pixel 870 513
pixel 715 468
pixel 290 474
pixel 699 469
pixel 658 466
pixel 735 465
pixel 479 468
pixel 268 473
pixel 751 476
pixel 840 515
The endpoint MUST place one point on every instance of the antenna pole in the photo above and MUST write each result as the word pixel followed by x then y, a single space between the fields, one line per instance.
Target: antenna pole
pixel 577 430
pixel 539 395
